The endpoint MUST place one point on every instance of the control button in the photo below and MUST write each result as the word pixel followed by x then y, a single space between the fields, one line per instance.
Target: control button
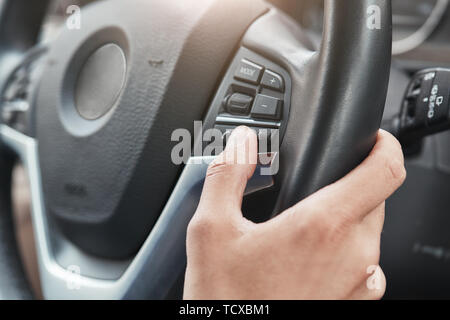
pixel 415 89
pixel 273 81
pixel 248 71
pixel 417 105
pixel 239 103
pixel 264 136
pixel 438 99
pixel 266 107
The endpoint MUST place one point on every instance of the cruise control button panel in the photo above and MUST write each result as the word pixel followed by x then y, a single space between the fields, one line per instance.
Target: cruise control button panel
pixel 255 92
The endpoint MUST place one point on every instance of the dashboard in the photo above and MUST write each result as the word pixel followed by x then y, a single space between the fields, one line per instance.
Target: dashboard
pixel 421 28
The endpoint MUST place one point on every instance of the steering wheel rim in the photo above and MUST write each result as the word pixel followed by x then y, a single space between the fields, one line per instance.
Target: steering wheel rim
pixel 325 122
pixel 347 114
pixel 13 282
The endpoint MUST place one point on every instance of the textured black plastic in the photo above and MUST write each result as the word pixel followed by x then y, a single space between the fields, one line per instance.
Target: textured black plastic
pixel 231 85
pixel 106 181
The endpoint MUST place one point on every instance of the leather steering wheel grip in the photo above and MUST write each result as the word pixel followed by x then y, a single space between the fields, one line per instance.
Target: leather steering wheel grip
pixel 338 98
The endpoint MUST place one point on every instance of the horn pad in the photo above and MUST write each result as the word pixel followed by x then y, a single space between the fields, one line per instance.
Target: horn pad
pixel 100 81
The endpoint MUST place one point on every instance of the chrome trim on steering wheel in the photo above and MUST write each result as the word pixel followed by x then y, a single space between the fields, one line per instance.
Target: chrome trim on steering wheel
pixel 142 278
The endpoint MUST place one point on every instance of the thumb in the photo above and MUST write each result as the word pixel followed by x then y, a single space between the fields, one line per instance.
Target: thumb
pixel 228 174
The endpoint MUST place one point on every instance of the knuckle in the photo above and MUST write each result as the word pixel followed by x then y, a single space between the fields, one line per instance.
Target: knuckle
pixel 200 229
pixel 394 169
pixel 344 217
pixel 218 167
pixel 322 227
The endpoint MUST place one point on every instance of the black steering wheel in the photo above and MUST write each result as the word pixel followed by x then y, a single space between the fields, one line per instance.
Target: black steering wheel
pixel 91 117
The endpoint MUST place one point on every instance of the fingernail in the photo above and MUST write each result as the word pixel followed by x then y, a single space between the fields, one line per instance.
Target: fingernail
pixel 238 137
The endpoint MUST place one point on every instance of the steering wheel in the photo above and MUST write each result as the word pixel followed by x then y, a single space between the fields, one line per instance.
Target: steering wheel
pixel 91 116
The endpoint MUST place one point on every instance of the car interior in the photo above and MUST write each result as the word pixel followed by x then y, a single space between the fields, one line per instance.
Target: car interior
pixel 91 205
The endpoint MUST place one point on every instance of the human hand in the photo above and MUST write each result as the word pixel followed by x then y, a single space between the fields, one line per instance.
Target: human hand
pixel 319 249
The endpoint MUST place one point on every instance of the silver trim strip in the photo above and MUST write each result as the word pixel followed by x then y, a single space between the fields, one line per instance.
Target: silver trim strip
pixel 147 275
pixel 247 122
